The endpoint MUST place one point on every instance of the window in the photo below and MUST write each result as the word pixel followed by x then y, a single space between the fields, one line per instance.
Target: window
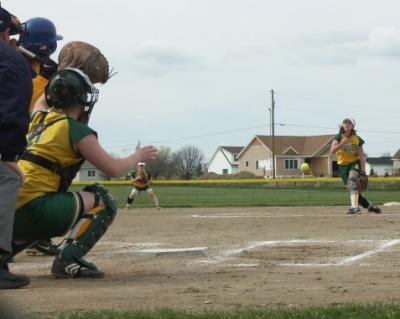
pixel 225 171
pixel 291 164
pixel 91 173
pixel 256 164
pixel 247 163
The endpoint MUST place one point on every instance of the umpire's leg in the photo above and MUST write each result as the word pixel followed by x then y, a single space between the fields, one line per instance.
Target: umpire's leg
pixel 10 182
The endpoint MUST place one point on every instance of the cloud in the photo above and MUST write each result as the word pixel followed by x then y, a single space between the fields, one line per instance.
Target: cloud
pixel 348 48
pixel 384 41
pixel 157 59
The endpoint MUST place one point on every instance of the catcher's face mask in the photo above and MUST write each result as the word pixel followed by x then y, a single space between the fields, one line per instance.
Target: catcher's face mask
pixel 91 96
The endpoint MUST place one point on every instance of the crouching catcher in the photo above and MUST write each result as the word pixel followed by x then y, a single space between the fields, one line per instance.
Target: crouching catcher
pixel 58 143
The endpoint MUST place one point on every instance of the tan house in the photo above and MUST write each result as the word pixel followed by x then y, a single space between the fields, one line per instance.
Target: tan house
pixel 396 163
pixel 290 153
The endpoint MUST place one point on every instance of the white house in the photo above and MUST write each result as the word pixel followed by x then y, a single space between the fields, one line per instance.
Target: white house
pixel 224 160
pixel 379 166
pixel 89 172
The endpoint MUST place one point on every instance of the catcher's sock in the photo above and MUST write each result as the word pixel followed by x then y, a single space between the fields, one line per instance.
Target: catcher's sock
pixel 354 200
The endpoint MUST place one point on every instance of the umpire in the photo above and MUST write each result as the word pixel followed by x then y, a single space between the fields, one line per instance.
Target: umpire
pixel 15 96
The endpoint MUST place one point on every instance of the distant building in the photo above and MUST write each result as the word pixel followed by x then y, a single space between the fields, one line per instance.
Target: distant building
pixel 224 160
pixel 89 172
pixel 379 166
pixel 396 163
pixel 290 153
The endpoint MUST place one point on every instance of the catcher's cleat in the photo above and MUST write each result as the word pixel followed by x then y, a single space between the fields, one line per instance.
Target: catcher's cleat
pixel 75 269
pixel 45 247
pixel 354 210
pixel 374 209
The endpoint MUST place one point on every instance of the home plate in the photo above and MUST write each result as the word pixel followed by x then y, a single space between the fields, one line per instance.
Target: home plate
pixel 391 204
pixel 171 251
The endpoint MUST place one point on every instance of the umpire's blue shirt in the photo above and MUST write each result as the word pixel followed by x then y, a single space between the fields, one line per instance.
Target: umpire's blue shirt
pixel 15 97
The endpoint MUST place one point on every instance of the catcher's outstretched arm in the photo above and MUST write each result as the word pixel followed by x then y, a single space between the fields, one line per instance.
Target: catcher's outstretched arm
pixel 91 150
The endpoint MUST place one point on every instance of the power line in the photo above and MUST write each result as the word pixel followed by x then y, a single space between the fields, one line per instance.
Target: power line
pixel 197 136
pixel 247 129
pixel 335 128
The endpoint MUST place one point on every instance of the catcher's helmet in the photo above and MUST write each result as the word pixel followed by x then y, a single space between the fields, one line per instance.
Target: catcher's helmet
pixel 71 87
pixel 40 37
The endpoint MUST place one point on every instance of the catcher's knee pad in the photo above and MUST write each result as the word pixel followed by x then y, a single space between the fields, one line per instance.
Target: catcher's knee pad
pixel 352 184
pixel 92 226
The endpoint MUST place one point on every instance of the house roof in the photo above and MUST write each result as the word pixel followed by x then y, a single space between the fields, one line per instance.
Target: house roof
pixel 383 160
pixel 397 155
pixel 87 164
pixel 233 149
pixel 304 145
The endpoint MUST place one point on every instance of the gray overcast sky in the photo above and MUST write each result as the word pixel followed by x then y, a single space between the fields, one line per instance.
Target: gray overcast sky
pixel 189 68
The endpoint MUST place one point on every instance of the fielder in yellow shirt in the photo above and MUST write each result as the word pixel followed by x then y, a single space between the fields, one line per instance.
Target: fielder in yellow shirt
pixel 141 181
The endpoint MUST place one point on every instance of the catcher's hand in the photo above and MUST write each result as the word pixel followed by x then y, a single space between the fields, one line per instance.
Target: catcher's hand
pixel 362 182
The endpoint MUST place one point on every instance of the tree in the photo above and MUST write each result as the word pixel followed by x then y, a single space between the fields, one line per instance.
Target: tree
pixel 386 154
pixel 188 162
pixel 162 166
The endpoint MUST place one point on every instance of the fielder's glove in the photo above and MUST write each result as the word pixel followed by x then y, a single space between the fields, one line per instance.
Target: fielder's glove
pixel 362 182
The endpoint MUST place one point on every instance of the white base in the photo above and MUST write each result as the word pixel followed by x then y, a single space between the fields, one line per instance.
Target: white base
pixel 391 204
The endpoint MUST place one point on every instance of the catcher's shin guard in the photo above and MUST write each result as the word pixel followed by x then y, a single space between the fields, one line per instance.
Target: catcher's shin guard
pixel 91 227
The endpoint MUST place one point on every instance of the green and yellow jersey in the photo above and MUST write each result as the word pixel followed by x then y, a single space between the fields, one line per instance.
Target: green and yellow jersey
pixel 144 181
pixel 350 152
pixel 55 143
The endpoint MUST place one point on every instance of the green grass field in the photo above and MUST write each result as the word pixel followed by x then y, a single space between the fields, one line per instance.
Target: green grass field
pixel 379 311
pixel 316 194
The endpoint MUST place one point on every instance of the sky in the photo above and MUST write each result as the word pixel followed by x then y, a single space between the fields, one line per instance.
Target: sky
pixel 200 72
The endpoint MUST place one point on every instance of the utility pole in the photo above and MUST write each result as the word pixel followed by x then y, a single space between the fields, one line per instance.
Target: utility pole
pixel 273 132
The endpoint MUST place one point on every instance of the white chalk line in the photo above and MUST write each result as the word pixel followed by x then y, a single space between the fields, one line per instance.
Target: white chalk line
pixel 351 260
pixel 284 215
pixel 227 254
pixel 246 216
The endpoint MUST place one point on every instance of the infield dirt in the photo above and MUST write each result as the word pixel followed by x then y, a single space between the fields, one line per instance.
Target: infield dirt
pixel 257 257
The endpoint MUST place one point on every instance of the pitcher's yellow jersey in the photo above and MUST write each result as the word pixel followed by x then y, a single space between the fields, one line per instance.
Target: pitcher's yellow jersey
pixel 350 152
pixel 55 143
